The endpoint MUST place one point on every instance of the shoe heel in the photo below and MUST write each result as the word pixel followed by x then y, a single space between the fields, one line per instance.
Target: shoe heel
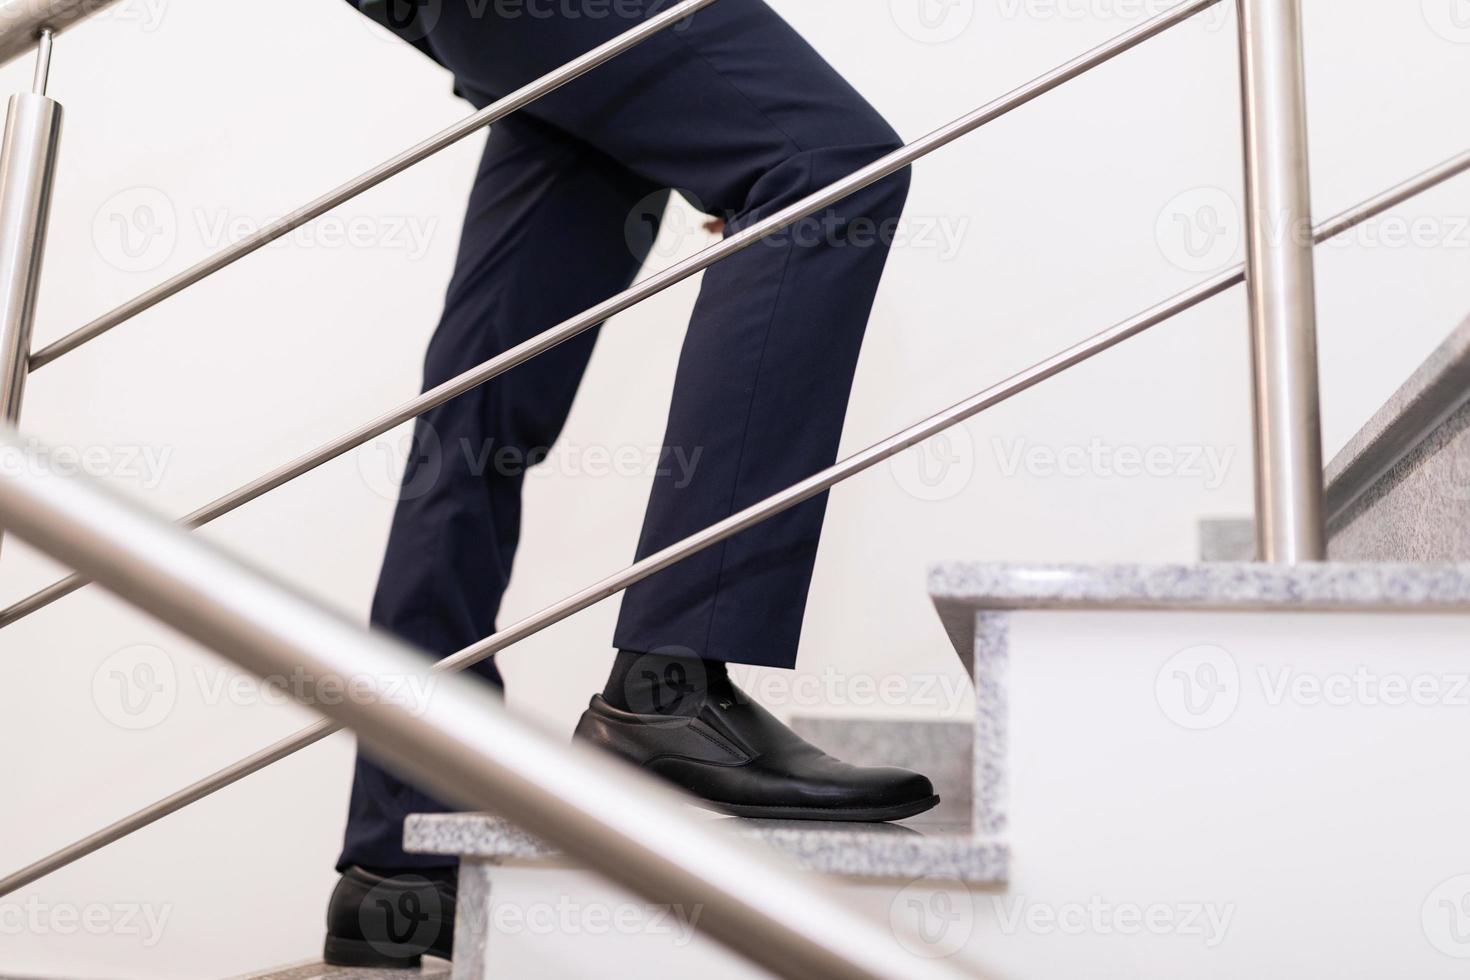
pixel 360 952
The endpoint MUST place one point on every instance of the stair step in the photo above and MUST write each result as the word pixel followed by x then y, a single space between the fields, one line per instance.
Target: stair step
pixel 962 589
pixel 939 842
pixel 317 970
pixel 893 850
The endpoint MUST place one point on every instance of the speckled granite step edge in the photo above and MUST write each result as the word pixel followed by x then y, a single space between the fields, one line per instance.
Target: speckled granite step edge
pixel 958 588
pixel 1424 402
pixel 317 970
pixel 890 852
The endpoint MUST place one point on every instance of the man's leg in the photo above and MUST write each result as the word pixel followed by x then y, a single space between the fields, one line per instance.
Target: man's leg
pixel 736 110
pixel 543 239
pixel 739 112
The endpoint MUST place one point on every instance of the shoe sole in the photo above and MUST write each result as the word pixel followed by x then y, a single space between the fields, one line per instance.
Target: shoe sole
pixel 337 951
pixel 877 814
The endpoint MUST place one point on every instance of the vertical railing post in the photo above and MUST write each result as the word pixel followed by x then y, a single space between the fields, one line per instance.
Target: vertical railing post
pixel 1282 294
pixel 27 166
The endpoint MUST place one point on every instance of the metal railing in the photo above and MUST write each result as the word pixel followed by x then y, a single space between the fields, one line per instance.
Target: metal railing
pixel 1279 279
pixel 775 504
pixel 460 741
pixel 27 169
pixel 630 297
pixel 1278 272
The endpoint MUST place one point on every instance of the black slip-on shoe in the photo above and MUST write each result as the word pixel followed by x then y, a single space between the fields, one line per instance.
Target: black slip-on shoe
pixel 737 758
pixel 389 922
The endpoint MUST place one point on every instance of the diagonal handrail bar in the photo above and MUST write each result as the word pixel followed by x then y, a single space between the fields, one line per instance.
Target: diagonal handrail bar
pixel 769 507
pixel 652 285
pixel 414 155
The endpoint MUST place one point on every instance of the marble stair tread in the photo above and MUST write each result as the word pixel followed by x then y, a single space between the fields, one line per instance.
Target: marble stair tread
pixel 961 589
pixel 1213 586
pixel 893 850
pixel 317 970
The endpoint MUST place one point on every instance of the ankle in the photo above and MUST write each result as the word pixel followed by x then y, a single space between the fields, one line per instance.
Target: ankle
pixel 442 874
pixel 665 683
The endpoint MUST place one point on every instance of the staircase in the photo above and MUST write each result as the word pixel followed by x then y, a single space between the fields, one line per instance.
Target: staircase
pixel 1232 748
pixel 1220 769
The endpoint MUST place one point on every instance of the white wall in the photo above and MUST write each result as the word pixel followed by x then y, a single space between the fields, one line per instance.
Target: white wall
pixel 193 117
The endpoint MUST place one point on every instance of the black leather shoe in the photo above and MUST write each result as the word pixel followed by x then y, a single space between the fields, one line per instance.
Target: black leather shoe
pixel 391 922
pixel 738 759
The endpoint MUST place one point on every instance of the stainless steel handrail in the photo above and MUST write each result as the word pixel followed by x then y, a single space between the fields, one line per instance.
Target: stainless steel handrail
pixel 1333 227
pixel 499 109
pixel 1281 284
pixel 653 285
pixel 23 21
pixel 863 460
pixel 469 748
pixel 27 173
pixel 28 157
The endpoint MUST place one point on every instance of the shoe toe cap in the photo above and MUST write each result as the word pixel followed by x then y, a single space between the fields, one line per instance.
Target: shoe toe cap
pixel 892 785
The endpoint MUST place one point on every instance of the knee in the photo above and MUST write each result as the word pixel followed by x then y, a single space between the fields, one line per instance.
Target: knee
pixel 885 140
pixel 888 194
pixel 862 140
pixel 817 165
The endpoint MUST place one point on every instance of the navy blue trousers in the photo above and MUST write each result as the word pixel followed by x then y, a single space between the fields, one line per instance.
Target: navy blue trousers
pixel 736 111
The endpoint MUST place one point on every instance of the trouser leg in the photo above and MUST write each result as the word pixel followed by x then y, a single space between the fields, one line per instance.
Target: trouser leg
pixel 740 113
pixel 543 239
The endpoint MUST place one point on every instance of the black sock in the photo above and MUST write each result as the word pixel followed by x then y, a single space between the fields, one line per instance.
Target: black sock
pixel 656 683
pixel 448 875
